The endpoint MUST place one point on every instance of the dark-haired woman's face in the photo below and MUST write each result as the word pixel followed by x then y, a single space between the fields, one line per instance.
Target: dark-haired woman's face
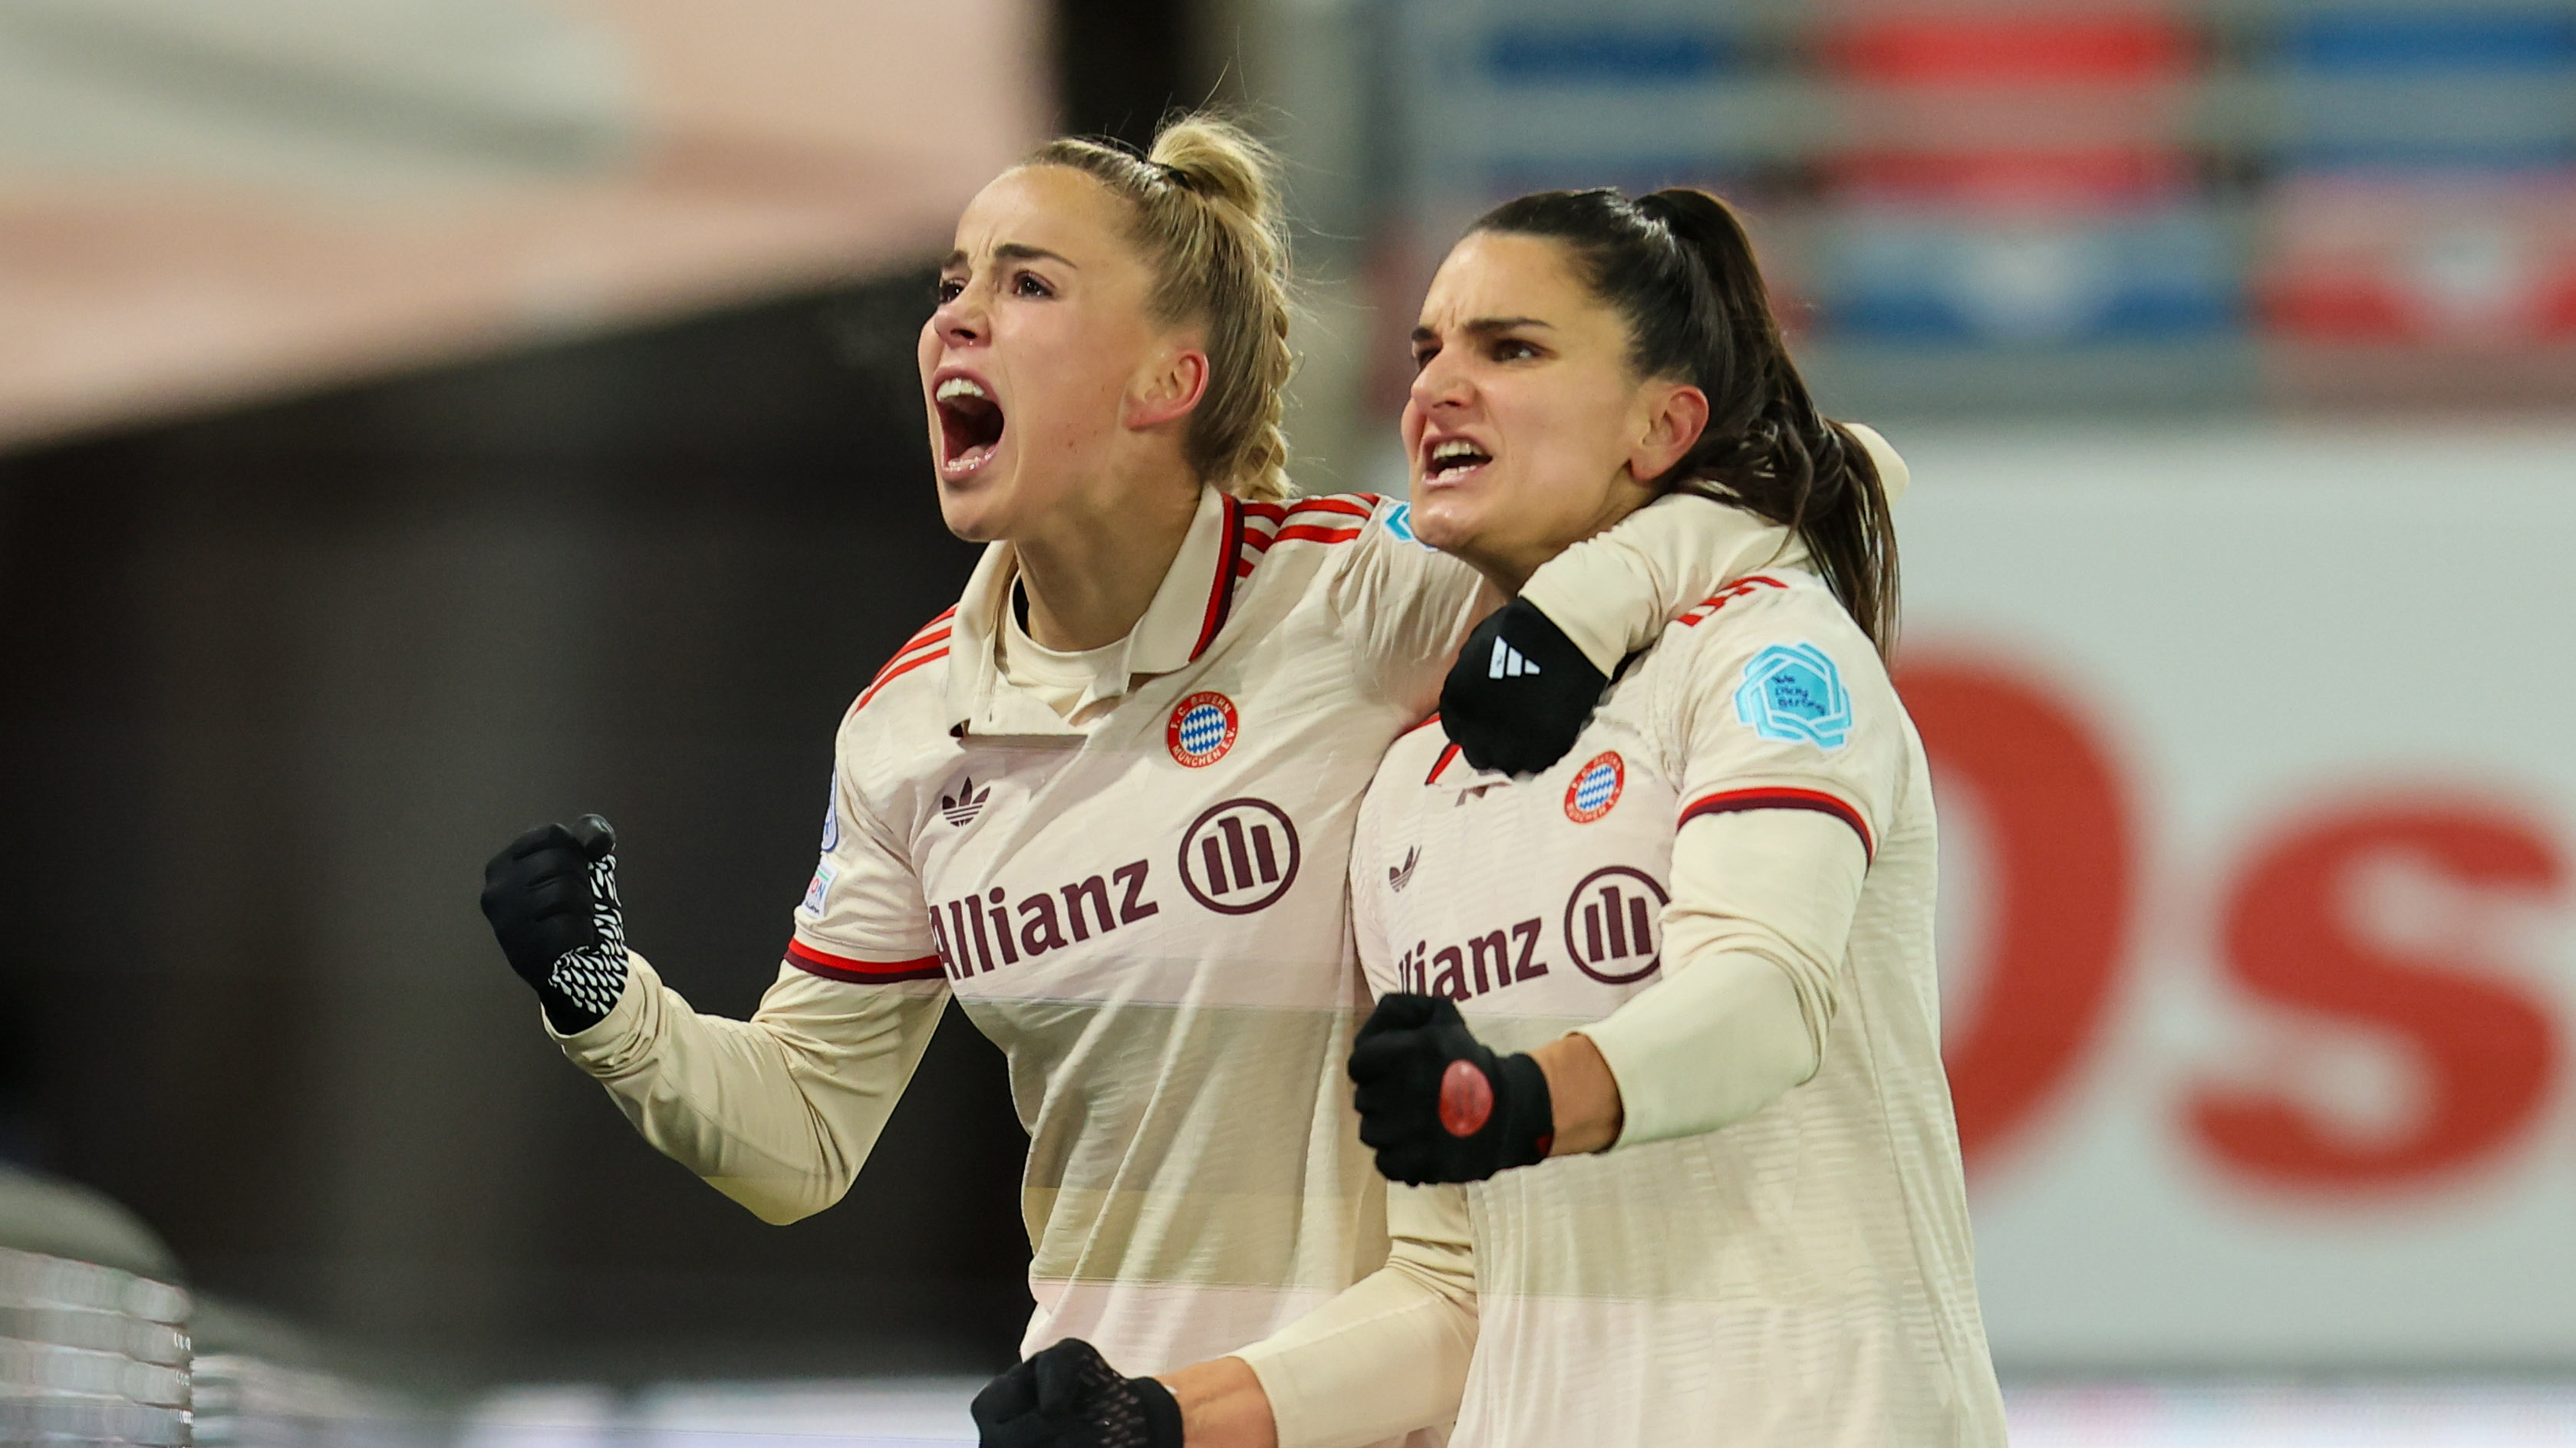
pixel 1525 431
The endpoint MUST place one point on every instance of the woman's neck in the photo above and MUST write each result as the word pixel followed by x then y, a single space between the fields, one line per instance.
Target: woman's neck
pixel 1090 577
pixel 1507 565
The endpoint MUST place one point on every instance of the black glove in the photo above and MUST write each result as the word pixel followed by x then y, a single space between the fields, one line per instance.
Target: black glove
pixel 1438 1106
pixel 1068 1396
pixel 552 900
pixel 1519 693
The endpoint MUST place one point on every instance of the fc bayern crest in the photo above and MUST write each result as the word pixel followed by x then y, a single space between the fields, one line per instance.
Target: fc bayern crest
pixel 1596 787
pixel 1202 729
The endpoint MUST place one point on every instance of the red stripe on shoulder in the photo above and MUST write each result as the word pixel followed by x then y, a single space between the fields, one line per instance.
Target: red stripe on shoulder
pixel 1737 801
pixel 935 631
pixel 930 633
pixel 1355 505
pixel 1698 613
pixel 897 670
pixel 924 646
pixel 860 972
pixel 921 641
pixel 1309 533
pixel 1263 524
pixel 1448 751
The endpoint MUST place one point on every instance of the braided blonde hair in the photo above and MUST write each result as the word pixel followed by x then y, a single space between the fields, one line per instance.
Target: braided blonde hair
pixel 1205 202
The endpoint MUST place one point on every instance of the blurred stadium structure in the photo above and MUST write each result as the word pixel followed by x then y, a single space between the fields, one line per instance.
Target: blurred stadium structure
pixel 2233 343
pixel 207 204
pixel 98 1344
pixel 1999 205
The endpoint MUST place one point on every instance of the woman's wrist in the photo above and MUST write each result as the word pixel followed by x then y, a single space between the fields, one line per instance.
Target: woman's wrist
pixel 1223 1405
pixel 1589 1113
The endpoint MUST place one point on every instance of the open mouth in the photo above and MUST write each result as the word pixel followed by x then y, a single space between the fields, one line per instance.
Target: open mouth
pixel 970 425
pixel 1452 460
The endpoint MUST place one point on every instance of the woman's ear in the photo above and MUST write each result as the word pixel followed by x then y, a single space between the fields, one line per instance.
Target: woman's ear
pixel 1676 413
pixel 1168 388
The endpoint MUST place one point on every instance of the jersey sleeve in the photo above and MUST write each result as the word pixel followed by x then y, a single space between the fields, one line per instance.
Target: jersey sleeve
pixel 777 1112
pixel 1794 749
pixel 1685 547
pixel 1389 1354
pixel 863 919
pixel 1613 593
pixel 1785 705
pixel 1407 606
pixel 1754 941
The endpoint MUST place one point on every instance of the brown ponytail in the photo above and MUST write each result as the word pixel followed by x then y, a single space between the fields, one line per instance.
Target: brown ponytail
pixel 1679 268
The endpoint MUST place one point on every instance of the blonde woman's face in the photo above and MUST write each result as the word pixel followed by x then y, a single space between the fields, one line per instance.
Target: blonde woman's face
pixel 1525 431
pixel 1030 363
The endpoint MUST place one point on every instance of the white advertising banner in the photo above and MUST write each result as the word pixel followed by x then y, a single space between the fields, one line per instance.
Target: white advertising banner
pixel 2256 753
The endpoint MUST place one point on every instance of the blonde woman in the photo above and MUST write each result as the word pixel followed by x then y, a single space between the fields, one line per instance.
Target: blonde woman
pixel 1106 801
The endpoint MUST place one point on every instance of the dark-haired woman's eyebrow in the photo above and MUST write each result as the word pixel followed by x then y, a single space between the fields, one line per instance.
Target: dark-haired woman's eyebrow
pixel 1498 326
pixel 1482 327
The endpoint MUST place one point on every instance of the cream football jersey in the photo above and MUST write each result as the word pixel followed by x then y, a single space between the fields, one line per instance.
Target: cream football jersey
pixel 1803 1276
pixel 1142 905
pixel 1139 892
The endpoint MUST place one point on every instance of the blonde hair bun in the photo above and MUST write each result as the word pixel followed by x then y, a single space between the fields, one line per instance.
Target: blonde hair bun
pixel 1222 162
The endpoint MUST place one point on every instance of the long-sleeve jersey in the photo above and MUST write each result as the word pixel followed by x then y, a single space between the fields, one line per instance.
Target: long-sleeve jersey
pixel 1141 900
pixel 1777 1251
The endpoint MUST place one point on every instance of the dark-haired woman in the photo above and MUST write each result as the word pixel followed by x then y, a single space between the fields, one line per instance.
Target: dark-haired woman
pixel 1657 1047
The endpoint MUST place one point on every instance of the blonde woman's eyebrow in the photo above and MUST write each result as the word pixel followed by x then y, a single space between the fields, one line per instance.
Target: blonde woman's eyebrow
pixel 1016 251
pixel 1010 251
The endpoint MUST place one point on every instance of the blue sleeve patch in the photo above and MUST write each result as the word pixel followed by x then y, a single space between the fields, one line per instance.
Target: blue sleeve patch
pixel 1793 692
pixel 1399 521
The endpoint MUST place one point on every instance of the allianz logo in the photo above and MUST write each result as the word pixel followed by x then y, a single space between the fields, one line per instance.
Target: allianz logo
pixel 1237 858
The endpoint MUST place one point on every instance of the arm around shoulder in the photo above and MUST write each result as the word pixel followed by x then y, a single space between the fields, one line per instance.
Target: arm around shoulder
pixel 1613 593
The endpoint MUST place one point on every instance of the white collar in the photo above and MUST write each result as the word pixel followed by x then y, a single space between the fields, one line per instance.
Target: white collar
pixel 1188 610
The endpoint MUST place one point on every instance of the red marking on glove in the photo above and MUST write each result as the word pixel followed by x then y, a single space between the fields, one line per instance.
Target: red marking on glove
pixel 1466 1099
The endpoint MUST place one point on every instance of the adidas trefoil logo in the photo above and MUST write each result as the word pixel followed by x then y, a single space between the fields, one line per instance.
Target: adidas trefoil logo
pixel 1509 662
pixel 1399 876
pixel 969 802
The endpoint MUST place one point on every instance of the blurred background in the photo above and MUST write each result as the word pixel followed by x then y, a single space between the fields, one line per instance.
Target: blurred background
pixel 422 418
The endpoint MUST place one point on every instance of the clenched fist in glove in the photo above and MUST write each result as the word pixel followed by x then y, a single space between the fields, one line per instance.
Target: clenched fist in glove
pixel 1520 692
pixel 1068 1396
pixel 1437 1105
pixel 552 900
